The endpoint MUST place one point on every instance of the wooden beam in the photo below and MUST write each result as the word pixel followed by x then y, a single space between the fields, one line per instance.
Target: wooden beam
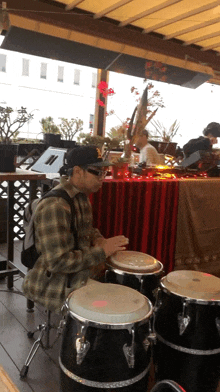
pixel 148 12
pixel 192 28
pixel 130 38
pixel 113 7
pixel 182 16
pixel 216 45
pixel 73 4
pixel 100 111
pixel 201 38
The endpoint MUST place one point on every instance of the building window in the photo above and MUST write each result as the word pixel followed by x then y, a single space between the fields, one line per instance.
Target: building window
pixel 43 71
pixel 25 67
pixel 94 79
pixel 76 76
pixel 91 121
pixel 2 63
pixel 60 74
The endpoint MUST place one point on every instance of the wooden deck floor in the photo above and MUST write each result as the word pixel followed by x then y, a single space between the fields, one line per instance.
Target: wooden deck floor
pixel 15 322
pixel 43 375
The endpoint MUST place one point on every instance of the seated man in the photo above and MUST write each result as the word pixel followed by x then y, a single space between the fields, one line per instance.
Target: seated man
pixel 148 153
pixel 69 253
pixel 203 143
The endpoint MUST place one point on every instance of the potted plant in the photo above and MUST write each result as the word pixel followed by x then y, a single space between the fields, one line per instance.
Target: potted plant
pixel 51 132
pixel 10 124
pixel 68 129
pixel 161 137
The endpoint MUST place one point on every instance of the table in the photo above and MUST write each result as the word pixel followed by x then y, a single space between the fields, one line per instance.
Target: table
pixel 198 226
pixel 11 178
pixel 145 211
pixel 177 221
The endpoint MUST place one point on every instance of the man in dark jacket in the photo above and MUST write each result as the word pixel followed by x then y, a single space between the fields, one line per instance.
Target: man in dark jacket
pixel 203 143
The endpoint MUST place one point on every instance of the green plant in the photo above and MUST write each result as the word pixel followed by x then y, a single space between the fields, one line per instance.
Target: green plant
pixel 164 134
pixel 11 123
pixel 69 128
pixel 48 126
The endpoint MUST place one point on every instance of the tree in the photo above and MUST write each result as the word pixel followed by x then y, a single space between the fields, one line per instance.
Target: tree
pixel 48 125
pixel 10 125
pixel 69 128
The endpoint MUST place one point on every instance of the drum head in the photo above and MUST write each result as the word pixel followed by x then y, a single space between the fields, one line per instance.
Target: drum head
pixel 193 284
pixel 109 304
pixel 135 261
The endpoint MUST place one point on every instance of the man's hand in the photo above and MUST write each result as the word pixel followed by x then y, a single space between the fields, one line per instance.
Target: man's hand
pixel 114 244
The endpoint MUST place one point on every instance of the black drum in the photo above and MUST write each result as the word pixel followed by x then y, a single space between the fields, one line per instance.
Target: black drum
pixel 105 342
pixel 137 270
pixel 187 327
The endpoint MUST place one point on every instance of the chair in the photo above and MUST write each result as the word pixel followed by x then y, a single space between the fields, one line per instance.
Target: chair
pixel 167 386
pixel 44 332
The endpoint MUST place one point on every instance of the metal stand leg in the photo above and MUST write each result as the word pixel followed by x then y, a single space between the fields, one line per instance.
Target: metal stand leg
pixel 43 328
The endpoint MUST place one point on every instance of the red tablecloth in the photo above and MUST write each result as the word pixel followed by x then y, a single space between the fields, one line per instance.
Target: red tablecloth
pixel 145 211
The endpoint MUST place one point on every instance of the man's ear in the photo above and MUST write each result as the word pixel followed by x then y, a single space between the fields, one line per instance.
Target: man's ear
pixel 77 170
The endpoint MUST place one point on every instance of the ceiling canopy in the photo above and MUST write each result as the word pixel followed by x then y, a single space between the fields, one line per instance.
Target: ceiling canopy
pixel 121 35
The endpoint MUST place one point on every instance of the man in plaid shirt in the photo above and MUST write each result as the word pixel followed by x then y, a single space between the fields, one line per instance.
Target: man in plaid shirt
pixel 67 259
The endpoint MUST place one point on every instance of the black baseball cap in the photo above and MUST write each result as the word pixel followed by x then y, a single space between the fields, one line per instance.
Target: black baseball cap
pixel 84 156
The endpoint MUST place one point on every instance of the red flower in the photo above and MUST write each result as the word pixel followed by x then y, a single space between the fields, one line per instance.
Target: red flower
pixel 111 91
pixel 102 86
pixel 149 64
pixel 100 103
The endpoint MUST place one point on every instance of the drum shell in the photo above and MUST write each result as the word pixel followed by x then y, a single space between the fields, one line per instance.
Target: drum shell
pixel 105 360
pixel 201 333
pixel 145 283
pixel 193 371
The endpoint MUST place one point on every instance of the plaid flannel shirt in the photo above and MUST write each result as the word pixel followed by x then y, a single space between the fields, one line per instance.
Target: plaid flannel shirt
pixel 59 259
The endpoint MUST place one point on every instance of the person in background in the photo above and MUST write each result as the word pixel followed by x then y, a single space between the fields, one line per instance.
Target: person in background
pixel 203 143
pixel 148 153
pixel 67 260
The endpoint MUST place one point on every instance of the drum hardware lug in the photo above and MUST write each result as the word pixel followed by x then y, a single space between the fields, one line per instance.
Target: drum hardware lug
pixel 61 326
pixel 157 293
pixel 64 310
pixel 142 283
pixel 82 345
pixel 183 319
pixel 217 322
pixel 152 338
pixel 129 351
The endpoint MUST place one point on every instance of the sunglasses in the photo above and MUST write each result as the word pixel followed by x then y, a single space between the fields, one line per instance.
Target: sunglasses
pixel 98 173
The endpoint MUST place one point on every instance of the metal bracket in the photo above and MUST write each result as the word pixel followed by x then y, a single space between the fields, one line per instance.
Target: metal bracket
pixel 217 322
pixel 129 351
pixel 183 319
pixel 82 345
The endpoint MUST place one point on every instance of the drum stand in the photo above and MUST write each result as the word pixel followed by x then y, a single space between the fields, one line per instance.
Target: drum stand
pixel 44 332
pixel 167 386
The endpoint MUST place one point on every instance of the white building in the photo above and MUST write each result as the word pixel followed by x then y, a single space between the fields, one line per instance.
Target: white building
pixel 47 88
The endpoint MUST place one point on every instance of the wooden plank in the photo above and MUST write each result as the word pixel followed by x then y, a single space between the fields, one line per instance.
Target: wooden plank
pixel 6 385
pixel 12 371
pixel 43 375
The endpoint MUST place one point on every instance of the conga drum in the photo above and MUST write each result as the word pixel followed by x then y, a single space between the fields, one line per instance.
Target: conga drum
pixel 137 270
pixel 105 342
pixel 187 327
